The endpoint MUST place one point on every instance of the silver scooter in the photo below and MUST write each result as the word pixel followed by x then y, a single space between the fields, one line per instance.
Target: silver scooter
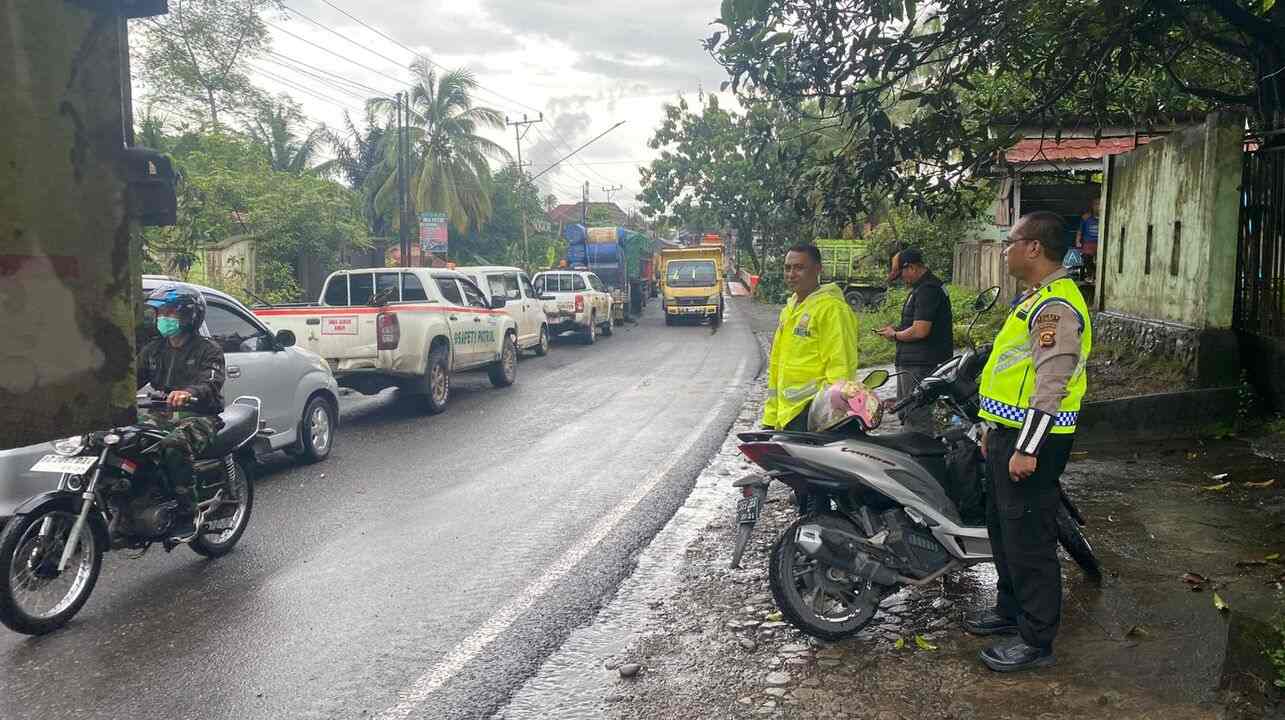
pixel 874 512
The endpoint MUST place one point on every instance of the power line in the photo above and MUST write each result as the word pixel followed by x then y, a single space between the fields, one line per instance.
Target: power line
pixel 341 57
pixel 341 36
pixel 330 74
pixel 318 78
pixel 301 88
pixel 420 55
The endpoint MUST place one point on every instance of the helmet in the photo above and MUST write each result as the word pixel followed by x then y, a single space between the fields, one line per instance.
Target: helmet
pixel 837 403
pixel 186 301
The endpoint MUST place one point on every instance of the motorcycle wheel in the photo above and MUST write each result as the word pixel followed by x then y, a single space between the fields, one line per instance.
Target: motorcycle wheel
pixel 221 535
pixel 1077 546
pixel 34 597
pixel 822 601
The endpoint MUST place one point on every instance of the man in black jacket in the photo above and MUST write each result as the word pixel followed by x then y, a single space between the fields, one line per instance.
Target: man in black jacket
pixel 189 369
pixel 923 336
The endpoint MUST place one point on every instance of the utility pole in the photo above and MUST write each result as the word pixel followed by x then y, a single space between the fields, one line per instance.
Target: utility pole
pixel 520 129
pixel 584 206
pixel 609 189
pixel 403 245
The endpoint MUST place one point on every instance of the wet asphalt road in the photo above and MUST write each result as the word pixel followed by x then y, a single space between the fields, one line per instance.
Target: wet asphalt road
pixel 428 566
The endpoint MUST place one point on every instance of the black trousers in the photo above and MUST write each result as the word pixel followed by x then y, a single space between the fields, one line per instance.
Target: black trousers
pixel 1021 518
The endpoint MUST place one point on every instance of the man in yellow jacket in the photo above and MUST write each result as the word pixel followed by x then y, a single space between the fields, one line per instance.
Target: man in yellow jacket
pixel 815 342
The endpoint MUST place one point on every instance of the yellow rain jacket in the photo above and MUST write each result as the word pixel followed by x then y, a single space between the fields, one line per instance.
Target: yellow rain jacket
pixel 815 344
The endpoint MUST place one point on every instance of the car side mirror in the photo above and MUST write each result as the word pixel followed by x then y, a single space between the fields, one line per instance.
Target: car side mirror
pixel 285 338
pixel 498 302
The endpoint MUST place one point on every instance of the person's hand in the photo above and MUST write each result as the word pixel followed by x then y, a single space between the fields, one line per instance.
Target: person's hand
pixel 985 433
pixel 179 398
pixel 1021 466
pixel 888 332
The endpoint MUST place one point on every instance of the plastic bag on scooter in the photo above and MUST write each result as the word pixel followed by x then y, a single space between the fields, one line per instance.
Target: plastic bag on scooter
pixel 841 401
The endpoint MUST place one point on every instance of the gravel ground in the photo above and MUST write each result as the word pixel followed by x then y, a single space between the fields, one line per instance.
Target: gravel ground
pixel 717 647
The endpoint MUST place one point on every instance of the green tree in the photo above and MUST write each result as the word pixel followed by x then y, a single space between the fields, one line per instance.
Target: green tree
pixel 450 163
pixel 927 93
pixel 194 57
pixel 720 170
pixel 275 130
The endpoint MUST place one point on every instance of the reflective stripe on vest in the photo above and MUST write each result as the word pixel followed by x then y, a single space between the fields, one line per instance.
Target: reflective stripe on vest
pixel 1009 377
pixel 799 393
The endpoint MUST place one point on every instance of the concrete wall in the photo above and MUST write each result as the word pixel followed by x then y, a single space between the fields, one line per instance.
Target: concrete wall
pixel 1183 192
pixel 68 271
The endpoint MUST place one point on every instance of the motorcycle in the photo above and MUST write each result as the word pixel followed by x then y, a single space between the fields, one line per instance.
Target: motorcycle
pixel 111 496
pixel 875 514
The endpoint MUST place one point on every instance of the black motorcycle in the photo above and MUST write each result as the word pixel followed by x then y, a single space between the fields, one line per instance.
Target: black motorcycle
pixel 112 495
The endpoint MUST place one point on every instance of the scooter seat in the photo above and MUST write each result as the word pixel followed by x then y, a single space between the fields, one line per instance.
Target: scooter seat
pixel 915 444
pixel 239 423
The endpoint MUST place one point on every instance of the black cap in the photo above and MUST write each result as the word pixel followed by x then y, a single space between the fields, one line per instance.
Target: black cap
pixel 911 256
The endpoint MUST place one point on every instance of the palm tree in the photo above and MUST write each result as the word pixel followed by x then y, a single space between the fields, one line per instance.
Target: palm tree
pixel 450 168
pixel 272 128
pixel 360 160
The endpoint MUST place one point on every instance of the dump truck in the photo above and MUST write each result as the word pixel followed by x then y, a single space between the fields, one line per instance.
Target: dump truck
pixel 691 283
pixel 857 268
pixel 615 255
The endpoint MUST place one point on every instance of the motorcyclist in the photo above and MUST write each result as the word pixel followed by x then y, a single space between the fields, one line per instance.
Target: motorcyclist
pixel 189 370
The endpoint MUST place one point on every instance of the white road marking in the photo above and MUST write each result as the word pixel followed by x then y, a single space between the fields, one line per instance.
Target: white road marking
pixel 498 624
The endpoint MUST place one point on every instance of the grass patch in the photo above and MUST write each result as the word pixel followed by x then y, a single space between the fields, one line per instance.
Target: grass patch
pixel 874 350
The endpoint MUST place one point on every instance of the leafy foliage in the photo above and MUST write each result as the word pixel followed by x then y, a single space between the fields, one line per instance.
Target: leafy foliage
pixel 927 94
pixel 274 129
pixel 194 56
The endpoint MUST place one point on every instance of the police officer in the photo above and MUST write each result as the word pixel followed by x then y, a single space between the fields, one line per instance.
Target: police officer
pixel 815 342
pixel 1031 390
pixel 189 369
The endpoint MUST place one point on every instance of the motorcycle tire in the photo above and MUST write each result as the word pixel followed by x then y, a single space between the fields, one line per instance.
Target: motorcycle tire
pixel 206 545
pixel 13 540
pixel 785 581
pixel 1077 546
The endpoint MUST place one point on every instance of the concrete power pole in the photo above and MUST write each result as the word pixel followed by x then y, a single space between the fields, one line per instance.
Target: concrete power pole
pixel 520 129
pixel 69 267
pixel 584 206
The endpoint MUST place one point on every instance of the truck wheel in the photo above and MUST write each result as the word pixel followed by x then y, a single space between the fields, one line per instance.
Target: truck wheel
pixel 438 381
pixel 591 332
pixel 669 319
pixel 505 371
pixel 607 329
pixel 856 300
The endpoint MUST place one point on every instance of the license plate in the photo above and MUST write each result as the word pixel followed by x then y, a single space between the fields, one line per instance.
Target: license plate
pixel 60 464
pixel 747 509
pixel 694 310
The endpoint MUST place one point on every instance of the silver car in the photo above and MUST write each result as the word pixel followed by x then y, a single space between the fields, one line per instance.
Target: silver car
pixel 299 393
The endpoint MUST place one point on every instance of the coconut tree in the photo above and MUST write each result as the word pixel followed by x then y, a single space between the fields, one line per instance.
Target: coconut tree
pixel 450 166
pixel 273 128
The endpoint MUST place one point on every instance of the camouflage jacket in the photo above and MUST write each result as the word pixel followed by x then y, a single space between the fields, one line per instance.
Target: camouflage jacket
pixel 196 367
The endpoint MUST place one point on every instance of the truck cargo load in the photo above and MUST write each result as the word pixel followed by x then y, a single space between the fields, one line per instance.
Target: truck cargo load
pixel 857 268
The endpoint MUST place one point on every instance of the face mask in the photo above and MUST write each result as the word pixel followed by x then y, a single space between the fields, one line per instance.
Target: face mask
pixel 168 326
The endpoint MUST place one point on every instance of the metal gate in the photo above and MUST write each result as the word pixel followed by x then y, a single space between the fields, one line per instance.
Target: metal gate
pixel 1260 255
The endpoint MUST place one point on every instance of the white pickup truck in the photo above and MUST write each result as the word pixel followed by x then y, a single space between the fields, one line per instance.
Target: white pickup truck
pixel 575 300
pixel 411 328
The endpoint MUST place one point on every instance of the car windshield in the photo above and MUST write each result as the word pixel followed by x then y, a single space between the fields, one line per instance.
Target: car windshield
pixel 690 273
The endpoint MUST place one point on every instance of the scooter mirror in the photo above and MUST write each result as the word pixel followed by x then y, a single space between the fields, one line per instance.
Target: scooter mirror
pixel 876 379
pixel 986 299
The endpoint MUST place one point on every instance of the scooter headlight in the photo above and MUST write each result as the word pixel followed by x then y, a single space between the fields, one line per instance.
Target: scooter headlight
pixel 71 446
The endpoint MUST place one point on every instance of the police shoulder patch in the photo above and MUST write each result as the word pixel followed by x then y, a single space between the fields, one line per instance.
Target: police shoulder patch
pixel 1048 338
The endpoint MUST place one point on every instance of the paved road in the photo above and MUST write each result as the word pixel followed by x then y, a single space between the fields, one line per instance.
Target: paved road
pixel 425 569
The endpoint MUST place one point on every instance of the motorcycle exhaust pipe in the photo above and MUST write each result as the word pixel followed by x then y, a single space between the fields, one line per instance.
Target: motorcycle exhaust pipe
pixel 838 548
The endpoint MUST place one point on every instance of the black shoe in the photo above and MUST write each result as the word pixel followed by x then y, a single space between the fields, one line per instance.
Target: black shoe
pixel 989 622
pixel 1015 655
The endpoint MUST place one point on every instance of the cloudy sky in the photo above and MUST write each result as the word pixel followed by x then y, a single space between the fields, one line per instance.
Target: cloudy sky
pixel 586 65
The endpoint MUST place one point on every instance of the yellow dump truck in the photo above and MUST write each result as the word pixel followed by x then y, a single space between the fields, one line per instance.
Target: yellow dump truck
pixel 691 283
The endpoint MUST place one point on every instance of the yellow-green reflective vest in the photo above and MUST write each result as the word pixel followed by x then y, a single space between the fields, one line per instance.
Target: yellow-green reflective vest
pixel 1009 377
pixel 815 345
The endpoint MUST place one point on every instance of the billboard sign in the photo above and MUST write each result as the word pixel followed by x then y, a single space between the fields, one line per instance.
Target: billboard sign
pixel 432 233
